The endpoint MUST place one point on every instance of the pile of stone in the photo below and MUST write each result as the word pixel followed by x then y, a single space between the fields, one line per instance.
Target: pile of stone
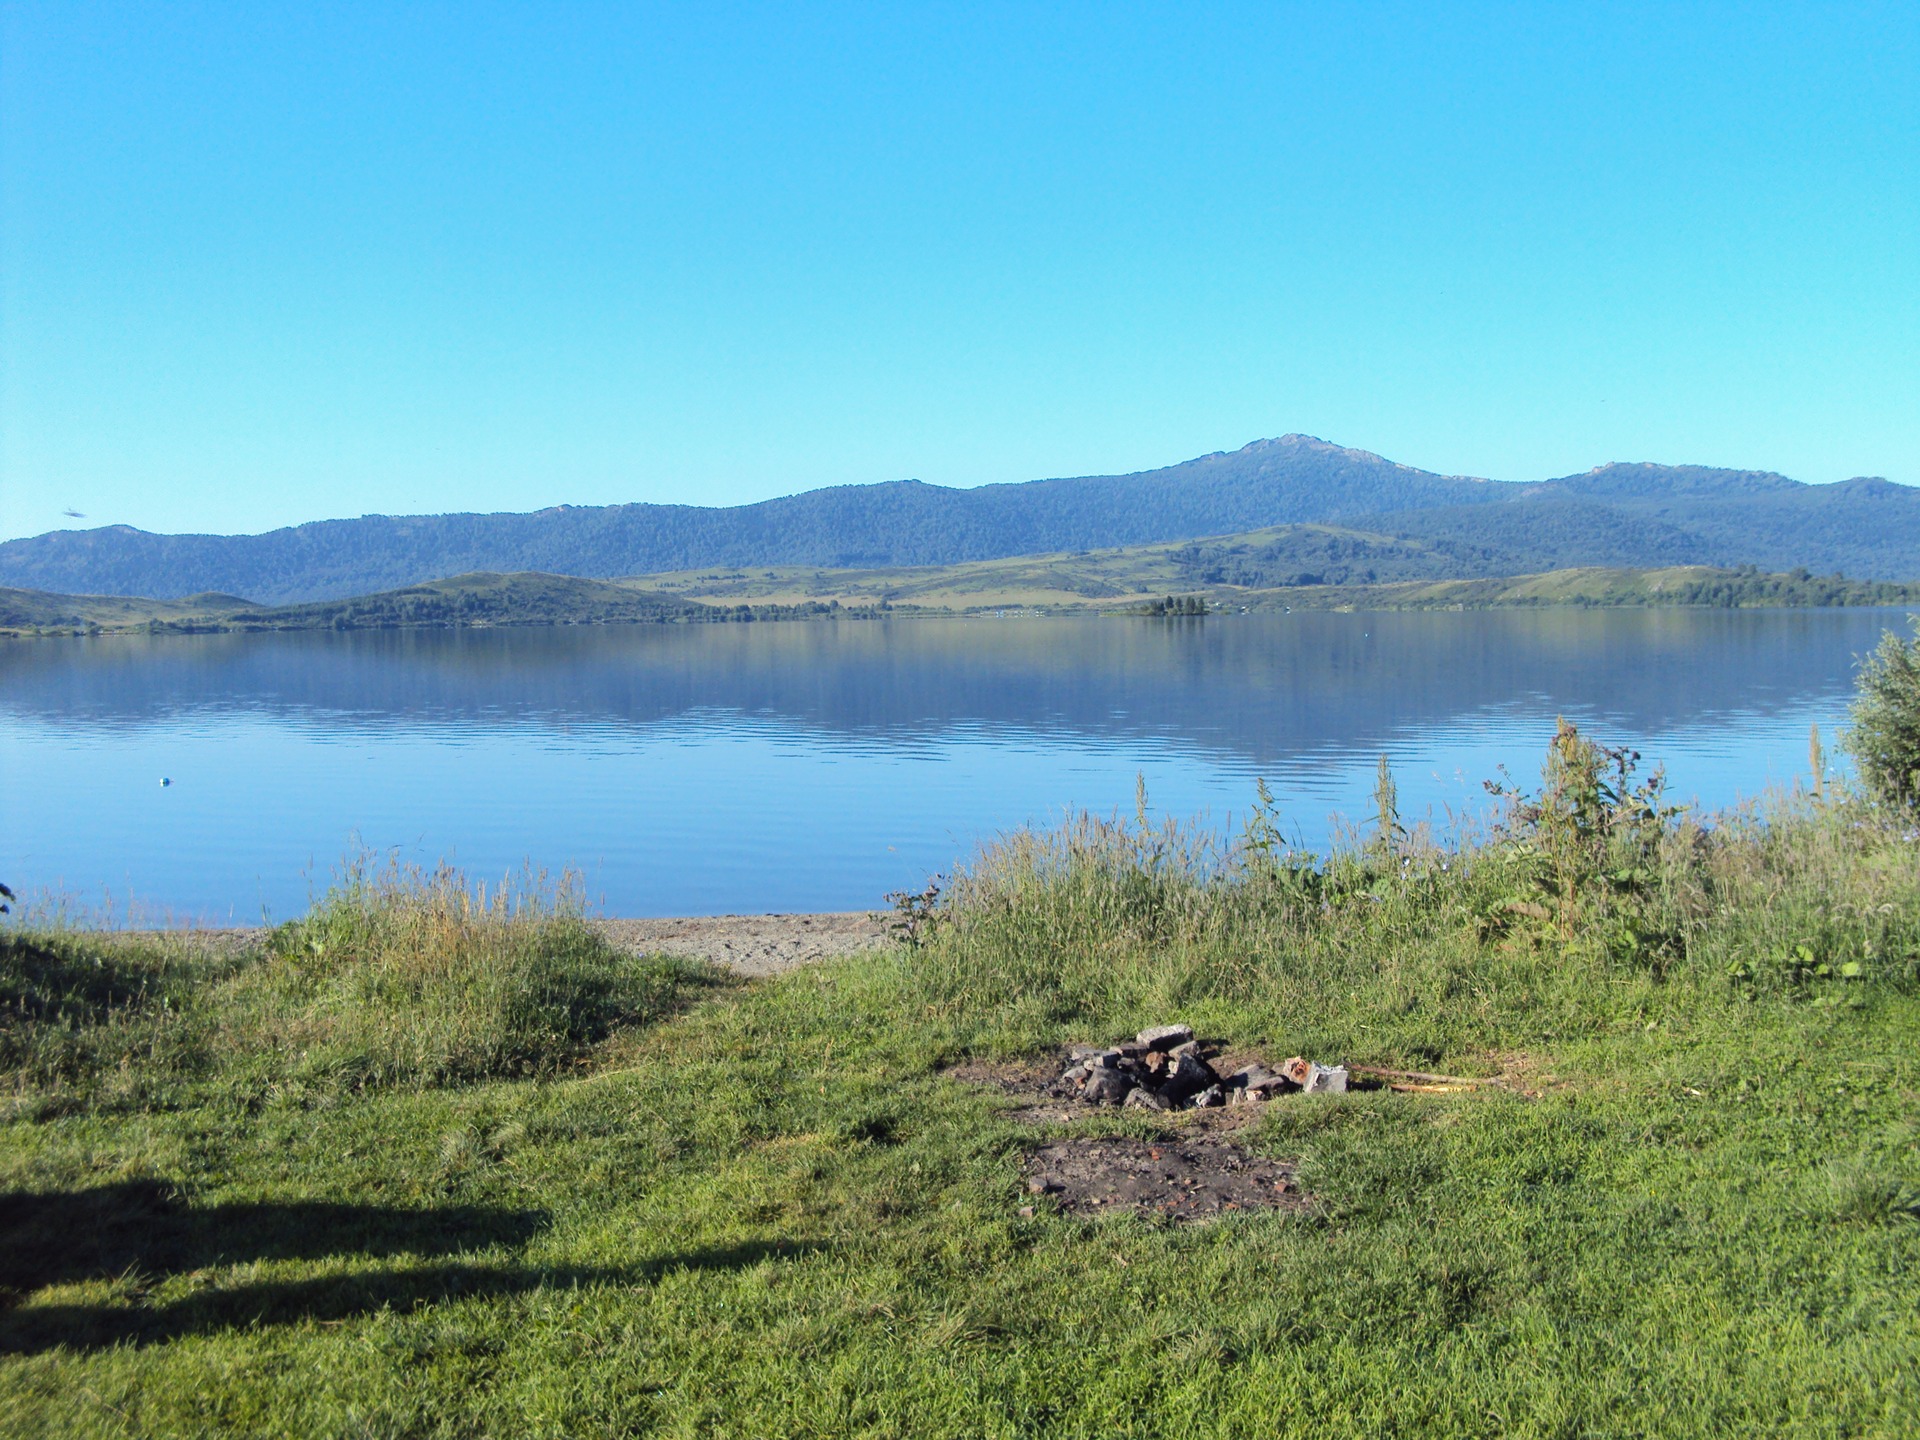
pixel 1162 1068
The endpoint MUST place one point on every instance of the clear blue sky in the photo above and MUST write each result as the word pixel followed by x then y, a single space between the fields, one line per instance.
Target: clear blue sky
pixel 262 264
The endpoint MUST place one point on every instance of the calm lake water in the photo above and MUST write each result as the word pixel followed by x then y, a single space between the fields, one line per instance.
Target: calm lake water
pixel 706 769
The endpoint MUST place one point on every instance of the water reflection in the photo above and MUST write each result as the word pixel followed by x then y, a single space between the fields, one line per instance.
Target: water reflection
pixel 816 765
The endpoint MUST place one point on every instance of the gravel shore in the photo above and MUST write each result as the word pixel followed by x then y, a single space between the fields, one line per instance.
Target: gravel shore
pixel 753 944
pixel 745 944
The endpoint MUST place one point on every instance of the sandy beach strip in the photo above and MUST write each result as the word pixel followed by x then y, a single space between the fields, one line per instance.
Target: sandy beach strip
pixel 753 944
pixel 746 944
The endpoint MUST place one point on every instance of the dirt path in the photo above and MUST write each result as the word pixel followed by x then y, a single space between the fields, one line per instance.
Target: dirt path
pixel 745 944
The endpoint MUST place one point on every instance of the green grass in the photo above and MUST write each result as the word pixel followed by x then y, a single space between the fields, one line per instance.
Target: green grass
pixel 423 1165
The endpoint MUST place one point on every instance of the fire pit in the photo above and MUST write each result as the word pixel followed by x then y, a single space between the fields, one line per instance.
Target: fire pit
pixel 1165 1068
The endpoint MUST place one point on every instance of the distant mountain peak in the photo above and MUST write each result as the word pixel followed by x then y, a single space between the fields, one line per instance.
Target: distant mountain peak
pixel 1627 512
pixel 1875 485
pixel 1295 440
pixel 1644 479
pixel 1292 440
pixel 1302 444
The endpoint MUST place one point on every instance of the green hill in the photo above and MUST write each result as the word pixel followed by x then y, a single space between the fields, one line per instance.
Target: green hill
pixel 1109 580
pixel 479 599
pixel 482 598
pixel 25 611
pixel 1303 566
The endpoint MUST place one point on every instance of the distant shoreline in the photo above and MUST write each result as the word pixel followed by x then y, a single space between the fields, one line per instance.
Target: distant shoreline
pixel 1113 584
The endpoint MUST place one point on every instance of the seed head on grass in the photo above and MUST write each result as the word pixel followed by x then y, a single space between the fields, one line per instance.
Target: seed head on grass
pixel 396 977
pixel 401 975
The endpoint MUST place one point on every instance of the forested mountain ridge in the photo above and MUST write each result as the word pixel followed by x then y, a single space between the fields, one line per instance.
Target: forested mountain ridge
pixel 1465 527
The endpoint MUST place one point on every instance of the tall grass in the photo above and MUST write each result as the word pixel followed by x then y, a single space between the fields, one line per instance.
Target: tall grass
pixel 397 976
pixel 1585 898
pixel 405 976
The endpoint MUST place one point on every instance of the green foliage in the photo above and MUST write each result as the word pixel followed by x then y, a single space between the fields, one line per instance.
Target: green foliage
pixel 1176 605
pixel 1885 736
pixel 463 601
pixel 1310 555
pixel 1591 843
pixel 1747 586
pixel 478 599
pixel 1593 885
pixel 1690 1211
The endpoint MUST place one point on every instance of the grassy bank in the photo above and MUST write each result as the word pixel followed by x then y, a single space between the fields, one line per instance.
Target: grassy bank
pixel 425 1164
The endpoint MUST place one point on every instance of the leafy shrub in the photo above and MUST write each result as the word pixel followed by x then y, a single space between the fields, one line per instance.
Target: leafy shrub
pixel 1885 737
pixel 1594 852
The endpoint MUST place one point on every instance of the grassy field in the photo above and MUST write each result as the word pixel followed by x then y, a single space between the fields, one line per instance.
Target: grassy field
pixel 1101 580
pixel 476 599
pixel 430 1163
pixel 1593 586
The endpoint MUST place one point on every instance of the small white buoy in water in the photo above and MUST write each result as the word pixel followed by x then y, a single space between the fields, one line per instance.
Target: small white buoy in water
pixel 165 780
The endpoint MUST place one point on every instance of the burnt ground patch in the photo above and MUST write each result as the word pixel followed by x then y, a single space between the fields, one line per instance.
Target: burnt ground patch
pixel 1190 1172
pixel 1190 1177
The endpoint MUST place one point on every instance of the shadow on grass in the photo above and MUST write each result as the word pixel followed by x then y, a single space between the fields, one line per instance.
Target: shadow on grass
pixel 141 1232
pixel 147 1229
pixel 42 983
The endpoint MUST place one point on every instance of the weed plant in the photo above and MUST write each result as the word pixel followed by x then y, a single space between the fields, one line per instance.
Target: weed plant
pixel 1589 895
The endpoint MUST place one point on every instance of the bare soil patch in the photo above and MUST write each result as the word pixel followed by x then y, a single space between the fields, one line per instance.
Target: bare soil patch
pixel 1190 1171
pixel 1009 1077
pixel 1186 1178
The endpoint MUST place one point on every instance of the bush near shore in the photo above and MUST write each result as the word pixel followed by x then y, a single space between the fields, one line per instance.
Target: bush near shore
pixel 435 1162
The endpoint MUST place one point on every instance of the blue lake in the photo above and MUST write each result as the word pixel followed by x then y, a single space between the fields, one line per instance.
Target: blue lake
pixel 708 769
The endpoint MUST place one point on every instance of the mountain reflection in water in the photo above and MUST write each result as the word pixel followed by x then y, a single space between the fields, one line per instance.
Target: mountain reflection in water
pixel 691 769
